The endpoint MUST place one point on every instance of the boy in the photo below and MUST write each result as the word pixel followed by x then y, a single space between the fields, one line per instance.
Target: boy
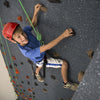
pixel 31 48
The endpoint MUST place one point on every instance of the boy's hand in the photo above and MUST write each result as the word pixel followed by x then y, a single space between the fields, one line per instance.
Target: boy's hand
pixel 37 8
pixel 67 33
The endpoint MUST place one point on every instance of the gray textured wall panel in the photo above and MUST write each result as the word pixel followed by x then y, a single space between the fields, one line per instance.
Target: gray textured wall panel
pixel 82 15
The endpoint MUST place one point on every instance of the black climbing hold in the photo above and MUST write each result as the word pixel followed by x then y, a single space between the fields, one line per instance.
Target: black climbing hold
pixel 10 66
pixel 1 45
pixel 33 93
pixel 6 3
pixel 35 84
pixel 53 77
pixel 45 84
pixel 28 83
pixel 21 63
pixel 15 64
pixel 54 1
pixel 22 82
pixel 24 90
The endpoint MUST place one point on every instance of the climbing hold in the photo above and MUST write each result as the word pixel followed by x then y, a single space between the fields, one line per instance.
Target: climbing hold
pixel 35 84
pixel 29 90
pixel 33 93
pixel 15 77
pixel 30 99
pixel 21 63
pixel 54 1
pixel 90 53
pixel 7 67
pixel 1 45
pixel 24 90
pixel 4 53
pixel 32 88
pixel 20 86
pixel 16 71
pixel 22 94
pixel 22 82
pixel 27 77
pixel 33 97
pixel 10 66
pixel 44 90
pixel 45 84
pixel 6 3
pixel 55 54
pixel 53 77
pixel 19 18
pixel 80 76
pixel 44 9
pixel 61 99
pixel 13 57
pixel 28 83
pixel 69 99
pixel 13 81
pixel 15 64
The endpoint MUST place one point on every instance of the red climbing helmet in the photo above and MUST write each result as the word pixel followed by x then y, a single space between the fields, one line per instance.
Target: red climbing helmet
pixel 8 30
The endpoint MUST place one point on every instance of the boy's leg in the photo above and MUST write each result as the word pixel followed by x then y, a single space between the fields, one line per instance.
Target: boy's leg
pixel 38 70
pixel 64 69
pixel 39 78
pixel 58 63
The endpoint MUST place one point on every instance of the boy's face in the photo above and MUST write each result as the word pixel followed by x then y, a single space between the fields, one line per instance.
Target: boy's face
pixel 21 38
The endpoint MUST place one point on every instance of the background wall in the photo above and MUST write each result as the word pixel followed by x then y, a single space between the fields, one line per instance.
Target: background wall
pixel 81 15
pixel 6 89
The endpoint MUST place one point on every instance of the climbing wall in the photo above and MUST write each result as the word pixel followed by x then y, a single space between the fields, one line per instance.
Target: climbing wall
pixel 81 15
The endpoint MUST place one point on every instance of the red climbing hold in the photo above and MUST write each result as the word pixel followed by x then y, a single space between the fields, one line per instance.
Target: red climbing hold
pixel 7 67
pixel 16 71
pixel 30 99
pixel 27 77
pixel 13 57
pixel 13 81
pixel 29 90
pixel 20 86
pixel 19 18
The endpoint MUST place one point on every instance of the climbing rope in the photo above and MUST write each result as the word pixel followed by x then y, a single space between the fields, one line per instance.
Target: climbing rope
pixel 10 57
pixel 39 37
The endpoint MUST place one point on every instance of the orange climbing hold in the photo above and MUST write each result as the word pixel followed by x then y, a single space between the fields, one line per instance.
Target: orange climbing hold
pixel 29 90
pixel 16 71
pixel 19 18
pixel 13 57
pixel 4 53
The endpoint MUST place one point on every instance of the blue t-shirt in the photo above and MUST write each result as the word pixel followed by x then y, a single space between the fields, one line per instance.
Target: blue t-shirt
pixel 32 49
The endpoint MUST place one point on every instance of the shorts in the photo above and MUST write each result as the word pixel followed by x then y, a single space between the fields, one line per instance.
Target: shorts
pixel 51 62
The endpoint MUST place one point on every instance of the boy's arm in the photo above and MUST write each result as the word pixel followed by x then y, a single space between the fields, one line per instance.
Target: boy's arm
pixel 35 15
pixel 53 43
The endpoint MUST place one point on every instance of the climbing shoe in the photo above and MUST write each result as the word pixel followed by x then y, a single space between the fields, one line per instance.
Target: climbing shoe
pixel 72 86
pixel 39 78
